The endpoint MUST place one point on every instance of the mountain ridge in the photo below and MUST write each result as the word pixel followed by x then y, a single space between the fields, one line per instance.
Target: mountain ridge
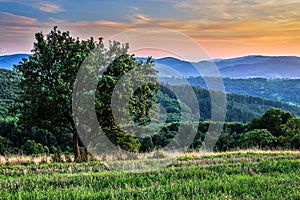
pixel 249 66
pixel 8 61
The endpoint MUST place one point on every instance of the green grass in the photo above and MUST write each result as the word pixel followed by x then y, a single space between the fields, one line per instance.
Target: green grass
pixel 219 176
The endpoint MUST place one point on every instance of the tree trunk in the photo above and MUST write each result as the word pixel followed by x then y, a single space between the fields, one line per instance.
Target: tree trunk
pixel 76 150
pixel 86 153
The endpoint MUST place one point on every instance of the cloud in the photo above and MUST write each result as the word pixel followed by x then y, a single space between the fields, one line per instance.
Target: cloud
pixel 134 8
pixel 139 19
pixel 9 19
pixel 47 7
pixel 244 30
pixel 228 10
pixel 41 5
pixel 17 32
pixel 238 25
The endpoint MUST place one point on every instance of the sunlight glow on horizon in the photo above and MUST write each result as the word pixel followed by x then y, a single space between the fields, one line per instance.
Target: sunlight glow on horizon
pixel 224 29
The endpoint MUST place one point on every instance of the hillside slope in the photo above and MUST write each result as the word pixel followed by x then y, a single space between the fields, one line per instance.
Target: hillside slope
pixel 8 61
pixel 243 67
pixel 239 107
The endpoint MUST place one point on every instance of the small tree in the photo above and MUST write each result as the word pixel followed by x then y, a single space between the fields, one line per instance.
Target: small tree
pixel 295 142
pixel 291 132
pixel 261 138
pixel 30 147
pixel 147 144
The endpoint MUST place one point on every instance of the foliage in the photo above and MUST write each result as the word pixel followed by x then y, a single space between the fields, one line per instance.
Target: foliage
pixel 123 140
pixel 30 147
pixel 260 138
pixel 140 100
pixel 291 133
pixel 147 144
pixel 48 78
pixel 47 81
pixel 188 157
pixel 272 120
pixel 4 144
pixel 8 94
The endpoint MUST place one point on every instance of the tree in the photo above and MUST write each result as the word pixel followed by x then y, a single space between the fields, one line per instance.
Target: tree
pixel 48 78
pixel 32 147
pixel 272 120
pixel 47 81
pixel 261 138
pixel 147 144
pixel 4 143
pixel 291 133
pixel 292 127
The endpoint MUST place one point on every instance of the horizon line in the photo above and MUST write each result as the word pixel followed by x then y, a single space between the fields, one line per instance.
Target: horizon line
pixel 162 57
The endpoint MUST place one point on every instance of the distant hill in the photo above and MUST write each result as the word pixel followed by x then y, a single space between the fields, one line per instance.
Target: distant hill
pixel 8 61
pixel 242 67
pixel 260 66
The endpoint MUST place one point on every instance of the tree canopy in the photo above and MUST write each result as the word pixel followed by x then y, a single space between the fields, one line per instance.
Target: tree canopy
pixel 48 78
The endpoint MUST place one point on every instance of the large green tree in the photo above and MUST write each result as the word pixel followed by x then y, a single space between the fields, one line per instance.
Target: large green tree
pixel 47 81
pixel 49 75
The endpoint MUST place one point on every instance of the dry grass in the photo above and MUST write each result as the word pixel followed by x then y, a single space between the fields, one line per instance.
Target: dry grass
pixel 158 154
pixel 21 159
pixel 247 151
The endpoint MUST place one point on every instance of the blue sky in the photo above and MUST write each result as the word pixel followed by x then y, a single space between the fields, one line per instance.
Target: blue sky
pixel 225 28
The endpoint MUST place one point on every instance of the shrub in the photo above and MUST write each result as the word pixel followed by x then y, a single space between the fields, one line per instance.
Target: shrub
pixel 147 144
pixel 124 140
pixel 31 147
pixel 261 138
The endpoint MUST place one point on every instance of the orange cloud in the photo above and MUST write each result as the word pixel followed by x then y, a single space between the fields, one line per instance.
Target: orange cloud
pixel 225 28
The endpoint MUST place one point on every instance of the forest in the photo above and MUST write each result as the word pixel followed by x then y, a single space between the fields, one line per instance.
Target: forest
pixel 36 99
pixel 278 89
pixel 251 122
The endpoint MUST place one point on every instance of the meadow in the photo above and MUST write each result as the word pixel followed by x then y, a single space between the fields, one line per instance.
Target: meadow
pixel 230 175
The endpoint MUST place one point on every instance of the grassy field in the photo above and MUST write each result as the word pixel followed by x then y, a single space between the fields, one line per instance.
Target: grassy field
pixel 233 175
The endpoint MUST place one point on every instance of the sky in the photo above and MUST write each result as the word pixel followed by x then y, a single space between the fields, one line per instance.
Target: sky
pixel 221 29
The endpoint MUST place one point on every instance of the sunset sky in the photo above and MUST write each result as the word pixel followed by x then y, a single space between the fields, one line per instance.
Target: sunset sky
pixel 223 28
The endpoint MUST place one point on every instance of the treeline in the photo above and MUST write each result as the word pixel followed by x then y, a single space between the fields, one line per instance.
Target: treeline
pixel 8 90
pixel 275 129
pixel 16 139
pixel 283 90
pixel 239 131
pixel 240 108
